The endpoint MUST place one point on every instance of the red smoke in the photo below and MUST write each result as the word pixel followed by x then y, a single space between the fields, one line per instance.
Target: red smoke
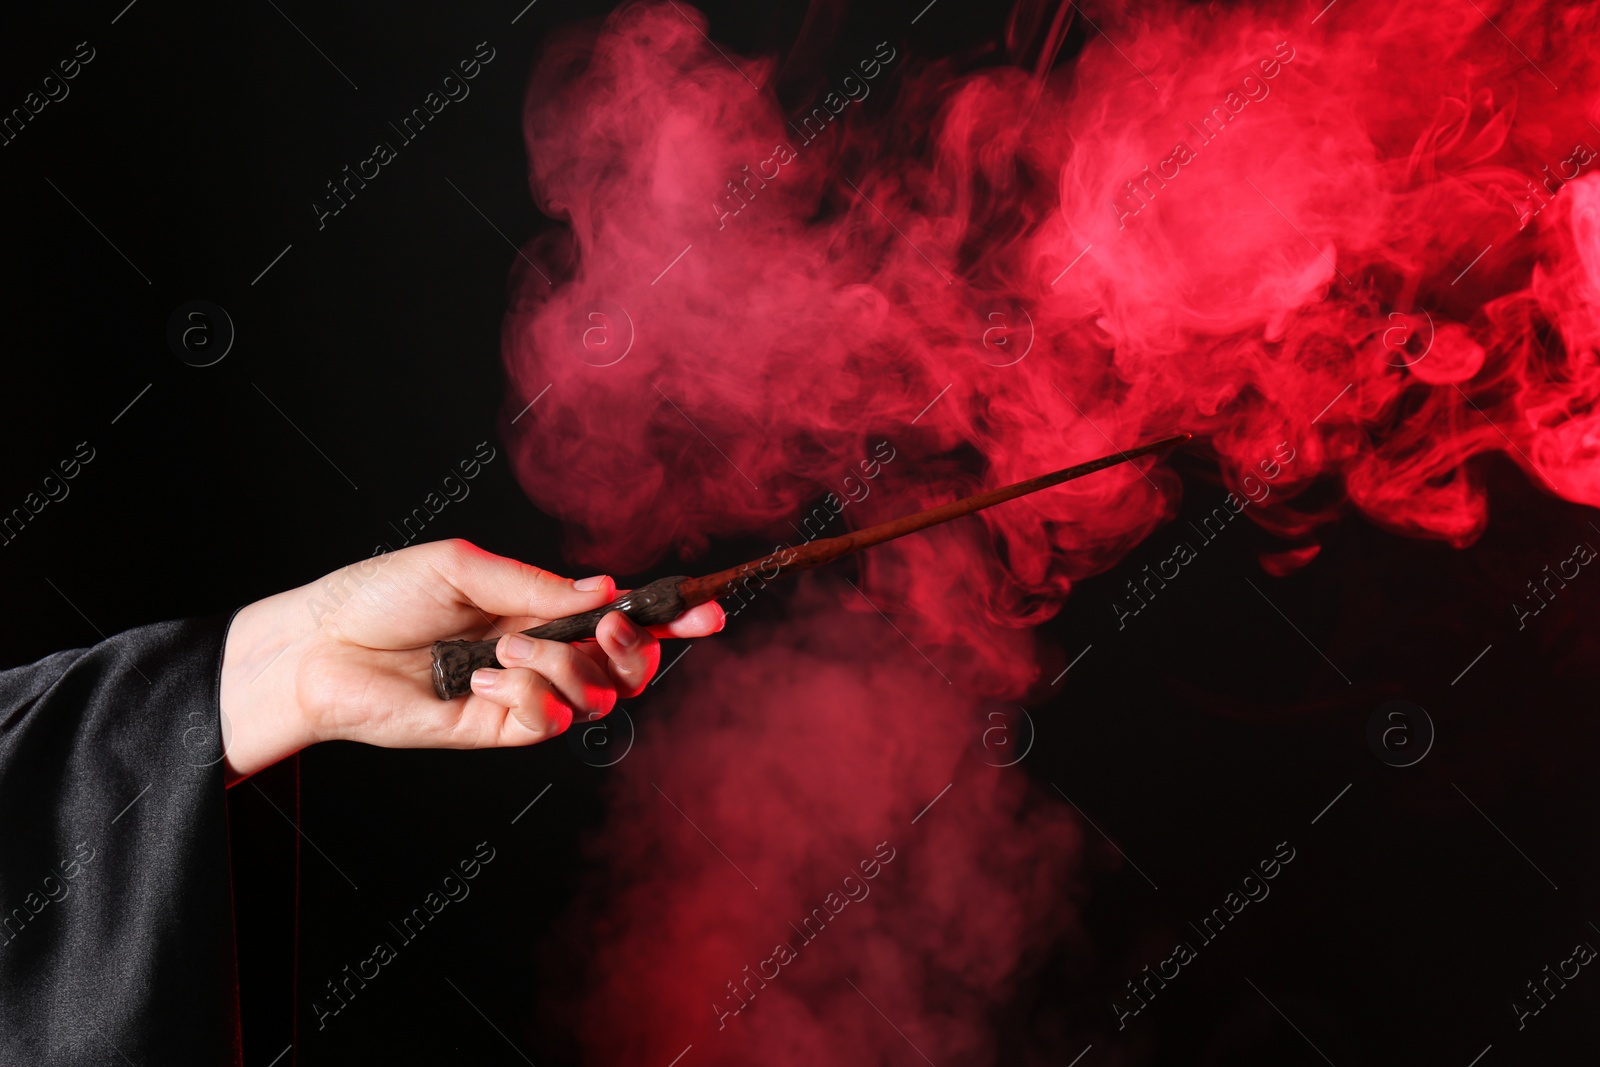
pixel 803 769
pixel 1371 233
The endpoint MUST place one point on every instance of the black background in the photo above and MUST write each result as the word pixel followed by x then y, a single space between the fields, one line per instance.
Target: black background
pixel 1207 731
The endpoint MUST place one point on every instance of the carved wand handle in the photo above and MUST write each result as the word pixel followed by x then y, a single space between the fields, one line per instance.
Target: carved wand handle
pixel 648 605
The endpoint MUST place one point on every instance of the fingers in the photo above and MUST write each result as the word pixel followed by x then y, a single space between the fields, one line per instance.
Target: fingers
pixel 699 621
pixel 708 618
pixel 537 711
pixel 632 654
pixel 502 586
pixel 545 683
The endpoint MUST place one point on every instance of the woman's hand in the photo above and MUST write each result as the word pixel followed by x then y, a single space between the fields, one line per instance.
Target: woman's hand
pixel 347 658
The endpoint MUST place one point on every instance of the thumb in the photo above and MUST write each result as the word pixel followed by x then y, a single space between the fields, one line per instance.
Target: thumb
pixel 502 586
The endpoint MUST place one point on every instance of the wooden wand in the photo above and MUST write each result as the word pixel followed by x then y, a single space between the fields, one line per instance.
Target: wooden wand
pixel 666 598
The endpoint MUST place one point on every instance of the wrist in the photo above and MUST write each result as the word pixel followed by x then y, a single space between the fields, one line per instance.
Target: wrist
pixel 263 719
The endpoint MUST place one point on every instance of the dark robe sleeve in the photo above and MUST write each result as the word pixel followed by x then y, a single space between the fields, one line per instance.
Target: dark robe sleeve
pixel 116 935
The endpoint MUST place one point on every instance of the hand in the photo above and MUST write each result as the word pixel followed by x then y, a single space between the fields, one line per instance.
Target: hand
pixel 347 658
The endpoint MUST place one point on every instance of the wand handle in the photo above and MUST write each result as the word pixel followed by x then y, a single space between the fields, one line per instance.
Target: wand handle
pixel 648 605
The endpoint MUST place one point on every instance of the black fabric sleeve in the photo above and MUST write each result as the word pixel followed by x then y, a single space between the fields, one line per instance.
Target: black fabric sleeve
pixel 116 934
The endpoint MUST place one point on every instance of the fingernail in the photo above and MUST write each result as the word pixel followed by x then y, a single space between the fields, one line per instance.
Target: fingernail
pixel 627 633
pixel 589 585
pixel 518 647
pixel 483 679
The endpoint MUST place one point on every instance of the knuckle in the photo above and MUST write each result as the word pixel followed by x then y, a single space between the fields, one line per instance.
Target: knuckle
pixel 538 586
pixel 542 578
pixel 454 549
pixel 634 669
pixel 558 658
pixel 522 687
pixel 449 558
